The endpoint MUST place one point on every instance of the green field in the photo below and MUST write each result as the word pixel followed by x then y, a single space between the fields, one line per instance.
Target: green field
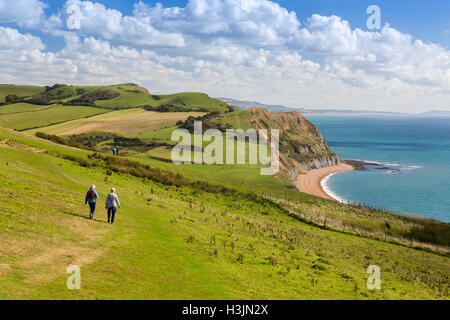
pixel 47 116
pixel 20 91
pixel 179 243
pixel 129 122
pixel 20 108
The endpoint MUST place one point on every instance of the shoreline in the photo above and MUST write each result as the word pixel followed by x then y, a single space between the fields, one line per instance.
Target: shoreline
pixel 312 181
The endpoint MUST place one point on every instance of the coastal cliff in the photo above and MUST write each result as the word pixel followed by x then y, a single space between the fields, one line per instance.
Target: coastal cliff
pixel 302 146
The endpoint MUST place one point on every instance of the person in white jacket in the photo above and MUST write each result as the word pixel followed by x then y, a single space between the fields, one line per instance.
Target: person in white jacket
pixel 112 201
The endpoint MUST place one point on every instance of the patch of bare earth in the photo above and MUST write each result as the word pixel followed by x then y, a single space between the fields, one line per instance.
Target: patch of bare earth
pixel 45 256
pixel 18 145
pixel 53 262
pixel 4 269
pixel 45 260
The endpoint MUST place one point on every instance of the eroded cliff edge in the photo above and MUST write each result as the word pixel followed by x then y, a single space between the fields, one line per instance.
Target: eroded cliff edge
pixel 302 146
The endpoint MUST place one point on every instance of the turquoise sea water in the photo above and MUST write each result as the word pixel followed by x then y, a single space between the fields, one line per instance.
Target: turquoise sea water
pixel 416 151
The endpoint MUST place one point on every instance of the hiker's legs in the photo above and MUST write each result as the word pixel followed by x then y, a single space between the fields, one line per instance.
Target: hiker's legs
pixel 109 214
pixel 92 206
pixel 113 212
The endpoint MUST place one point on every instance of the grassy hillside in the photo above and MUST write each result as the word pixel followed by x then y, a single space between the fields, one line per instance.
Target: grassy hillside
pixel 20 91
pixel 47 106
pixel 122 96
pixel 44 116
pixel 178 242
pixel 20 108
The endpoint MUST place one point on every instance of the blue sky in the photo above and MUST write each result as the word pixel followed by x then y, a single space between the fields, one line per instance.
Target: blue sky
pixel 303 53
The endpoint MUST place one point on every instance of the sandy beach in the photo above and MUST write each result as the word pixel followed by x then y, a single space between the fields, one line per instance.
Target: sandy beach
pixel 310 182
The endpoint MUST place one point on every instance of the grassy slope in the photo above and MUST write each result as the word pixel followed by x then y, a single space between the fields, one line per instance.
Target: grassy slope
pixel 131 96
pixel 147 255
pixel 190 100
pixel 238 119
pixel 20 91
pixel 20 116
pixel 20 108
pixel 47 116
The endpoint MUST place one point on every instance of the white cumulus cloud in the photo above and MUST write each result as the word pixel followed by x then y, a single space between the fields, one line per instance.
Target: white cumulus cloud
pixel 26 13
pixel 96 19
pixel 12 39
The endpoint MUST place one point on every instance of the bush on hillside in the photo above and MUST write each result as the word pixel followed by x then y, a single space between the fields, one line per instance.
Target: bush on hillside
pixel 435 233
pixel 56 86
pixel 58 140
pixel 12 98
pixel 57 92
pixel 91 140
pixel 207 123
pixel 89 99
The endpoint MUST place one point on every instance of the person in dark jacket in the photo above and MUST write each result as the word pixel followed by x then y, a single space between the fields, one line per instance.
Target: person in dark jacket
pixel 91 198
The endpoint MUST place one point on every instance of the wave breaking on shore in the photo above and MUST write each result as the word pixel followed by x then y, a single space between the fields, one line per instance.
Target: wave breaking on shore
pixel 324 184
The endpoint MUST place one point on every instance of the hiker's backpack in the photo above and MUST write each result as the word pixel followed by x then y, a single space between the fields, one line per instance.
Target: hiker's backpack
pixel 91 194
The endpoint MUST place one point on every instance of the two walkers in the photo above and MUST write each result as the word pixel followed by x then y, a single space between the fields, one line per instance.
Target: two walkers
pixel 112 201
pixel 116 151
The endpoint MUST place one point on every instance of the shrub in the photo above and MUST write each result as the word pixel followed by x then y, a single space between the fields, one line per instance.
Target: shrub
pixel 56 86
pixel 90 140
pixel 89 99
pixel 12 98
pixel 58 140
pixel 435 233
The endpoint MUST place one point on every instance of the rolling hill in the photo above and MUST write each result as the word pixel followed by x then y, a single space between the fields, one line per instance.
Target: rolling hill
pixel 20 91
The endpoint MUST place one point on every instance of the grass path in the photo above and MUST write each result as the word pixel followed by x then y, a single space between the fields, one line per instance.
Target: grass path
pixel 123 251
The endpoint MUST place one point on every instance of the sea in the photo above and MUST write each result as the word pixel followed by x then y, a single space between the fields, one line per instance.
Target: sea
pixel 407 161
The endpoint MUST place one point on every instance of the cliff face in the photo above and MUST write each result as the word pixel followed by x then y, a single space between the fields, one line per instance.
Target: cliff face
pixel 302 146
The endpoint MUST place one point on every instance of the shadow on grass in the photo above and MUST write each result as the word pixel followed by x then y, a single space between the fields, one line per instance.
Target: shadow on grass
pixel 83 217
